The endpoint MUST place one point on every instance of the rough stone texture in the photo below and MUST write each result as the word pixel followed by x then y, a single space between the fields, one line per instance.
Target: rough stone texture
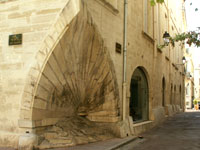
pixel 159 115
pixel 28 141
pixel 142 127
pixel 31 18
pixel 73 131
pixel 36 76
pixel 78 77
pixel 168 110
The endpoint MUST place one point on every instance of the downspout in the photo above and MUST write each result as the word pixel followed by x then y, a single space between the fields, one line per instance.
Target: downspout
pixel 124 61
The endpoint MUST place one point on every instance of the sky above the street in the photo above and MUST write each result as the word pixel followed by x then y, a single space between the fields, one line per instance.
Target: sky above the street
pixel 193 17
pixel 193 21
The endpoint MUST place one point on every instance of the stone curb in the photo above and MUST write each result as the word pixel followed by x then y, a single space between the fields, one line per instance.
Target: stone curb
pixel 122 143
pixel 115 146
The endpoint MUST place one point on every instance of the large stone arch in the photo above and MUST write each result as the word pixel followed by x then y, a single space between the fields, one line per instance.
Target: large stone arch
pixel 73 74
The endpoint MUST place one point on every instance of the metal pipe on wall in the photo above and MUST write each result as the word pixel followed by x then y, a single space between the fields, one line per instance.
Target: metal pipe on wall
pixel 124 60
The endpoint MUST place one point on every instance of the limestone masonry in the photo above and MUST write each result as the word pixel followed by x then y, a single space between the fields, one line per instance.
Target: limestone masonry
pixel 62 86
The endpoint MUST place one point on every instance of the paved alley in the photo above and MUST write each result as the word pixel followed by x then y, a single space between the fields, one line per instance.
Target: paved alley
pixel 181 132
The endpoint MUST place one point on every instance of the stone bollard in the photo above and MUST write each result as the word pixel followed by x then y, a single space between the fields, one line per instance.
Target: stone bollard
pixel 27 141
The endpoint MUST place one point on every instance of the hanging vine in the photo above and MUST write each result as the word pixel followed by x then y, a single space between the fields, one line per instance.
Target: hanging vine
pixel 153 2
pixel 190 37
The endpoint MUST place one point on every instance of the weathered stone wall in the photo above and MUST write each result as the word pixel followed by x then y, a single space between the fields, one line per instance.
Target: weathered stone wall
pixel 78 77
pixel 142 48
pixel 54 85
pixel 61 60
pixel 32 19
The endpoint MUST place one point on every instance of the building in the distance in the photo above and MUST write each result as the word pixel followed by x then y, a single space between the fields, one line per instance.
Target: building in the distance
pixel 196 73
pixel 189 79
pixel 79 71
pixel 197 81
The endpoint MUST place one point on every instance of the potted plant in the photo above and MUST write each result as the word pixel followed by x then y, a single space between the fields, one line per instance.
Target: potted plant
pixel 195 102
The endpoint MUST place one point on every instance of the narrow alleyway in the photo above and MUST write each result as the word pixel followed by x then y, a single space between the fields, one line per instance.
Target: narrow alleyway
pixel 181 132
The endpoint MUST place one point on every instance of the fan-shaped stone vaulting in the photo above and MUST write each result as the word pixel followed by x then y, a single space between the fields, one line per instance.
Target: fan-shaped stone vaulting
pixel 70 82
pixel 76 86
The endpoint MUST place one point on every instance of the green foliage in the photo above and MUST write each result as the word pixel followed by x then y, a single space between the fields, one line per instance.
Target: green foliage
pixel 190 38
pixel 195 102
pixel 153 2
pixel 160 46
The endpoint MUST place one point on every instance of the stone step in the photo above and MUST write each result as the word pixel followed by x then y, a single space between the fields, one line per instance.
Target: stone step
pixel 142 127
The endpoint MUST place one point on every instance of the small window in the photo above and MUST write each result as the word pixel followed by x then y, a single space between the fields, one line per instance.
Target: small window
pixel 112 3
pixel 187 50
pixel 148 18
pixel 165 15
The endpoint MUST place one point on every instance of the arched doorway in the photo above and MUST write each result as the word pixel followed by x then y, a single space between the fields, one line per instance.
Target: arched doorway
pixel 139 96
pixel 163 91
pixel 174 95
pixel 171 94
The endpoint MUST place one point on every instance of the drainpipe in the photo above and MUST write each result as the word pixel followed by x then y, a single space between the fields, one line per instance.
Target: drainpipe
pixel 124 61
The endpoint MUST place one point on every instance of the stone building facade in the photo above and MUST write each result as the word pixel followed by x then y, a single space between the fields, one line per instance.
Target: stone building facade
pixel 195 56
pixel 189 79
pixel 68 70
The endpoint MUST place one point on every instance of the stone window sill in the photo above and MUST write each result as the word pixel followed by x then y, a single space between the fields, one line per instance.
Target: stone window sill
pixel 167 58
pixel 109 6
pixel 148 37
pixel 159 50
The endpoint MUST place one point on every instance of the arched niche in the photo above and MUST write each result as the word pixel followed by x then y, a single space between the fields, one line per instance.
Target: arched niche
pixel 139 99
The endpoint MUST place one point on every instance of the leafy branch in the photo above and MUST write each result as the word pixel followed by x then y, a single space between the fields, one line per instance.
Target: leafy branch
pixel 153 2
pixel 191 37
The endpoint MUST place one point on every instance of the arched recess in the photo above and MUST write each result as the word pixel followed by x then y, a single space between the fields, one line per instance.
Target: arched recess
pixel 163 91
pixel 73 74
pixel 174 95
pixel 171 94
pixel 139 99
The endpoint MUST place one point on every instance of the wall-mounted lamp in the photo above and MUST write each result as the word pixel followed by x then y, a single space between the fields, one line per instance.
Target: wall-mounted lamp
pixel 183 61
pixel 188 75
pixel 166 38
